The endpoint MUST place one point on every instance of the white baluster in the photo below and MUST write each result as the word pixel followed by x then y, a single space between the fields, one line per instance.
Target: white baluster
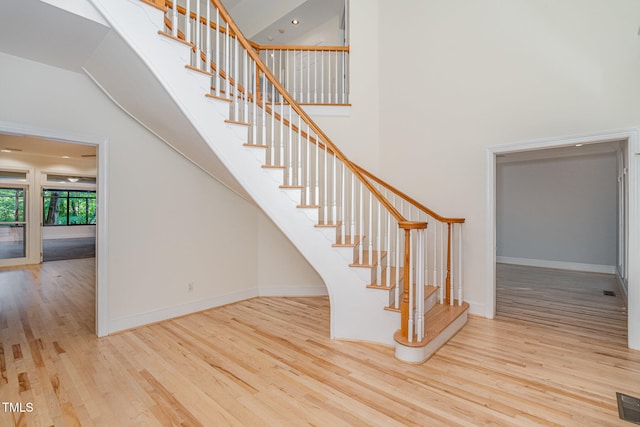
pixel 435 255
pixel 371 237
pixel 352 211
pixel 272 132
pixel 315 76
pixel 380 242
pixel 227 62
pixel 281 159
pixel 208 35
pixel 254 105
pixel 309 153
pixel 198 36
pixel 325 199
pixel 360 219
pixel 300 147
pixel 289 154
pixel 452 266
pixel 389 249
pixel 236 75
pixel 322 78
pixel 245 84
pixel 174 20
pixel 218 46
pixel 187 22
pixel 441 252
pixel 308 85
pixel 337 76
pixel 399 261
pixel 334 195
pixel 460 288
pixel 343 203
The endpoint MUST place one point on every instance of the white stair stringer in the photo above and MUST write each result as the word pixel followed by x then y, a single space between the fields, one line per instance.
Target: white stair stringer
pixel 357 313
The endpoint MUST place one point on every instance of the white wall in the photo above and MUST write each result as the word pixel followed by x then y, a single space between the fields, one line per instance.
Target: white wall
pixel 282 271
pixel 156 246
pixel 562 210
pixel 456 77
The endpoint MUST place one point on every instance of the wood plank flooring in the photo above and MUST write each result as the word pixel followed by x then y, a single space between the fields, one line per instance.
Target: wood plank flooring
pixel 269 361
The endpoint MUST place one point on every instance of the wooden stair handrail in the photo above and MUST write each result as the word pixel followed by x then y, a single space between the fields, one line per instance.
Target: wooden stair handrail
pixel 300 47
pixel 296 107
pixel 409 199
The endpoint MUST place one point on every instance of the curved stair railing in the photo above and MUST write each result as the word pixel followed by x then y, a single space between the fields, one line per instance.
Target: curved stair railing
pixel 387 229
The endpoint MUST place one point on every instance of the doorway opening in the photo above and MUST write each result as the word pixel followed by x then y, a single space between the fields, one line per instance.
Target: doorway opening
pixel 611 257
pixel 44 156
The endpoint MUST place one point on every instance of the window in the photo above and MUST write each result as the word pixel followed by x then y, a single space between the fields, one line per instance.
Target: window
pixel 11 205
pixel 69 207
pixel 12 223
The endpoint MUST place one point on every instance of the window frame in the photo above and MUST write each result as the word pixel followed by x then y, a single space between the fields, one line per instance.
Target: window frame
pixel 68 199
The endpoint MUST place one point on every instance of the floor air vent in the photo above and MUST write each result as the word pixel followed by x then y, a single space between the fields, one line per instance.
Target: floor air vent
pixel 629 408
pixel 609 293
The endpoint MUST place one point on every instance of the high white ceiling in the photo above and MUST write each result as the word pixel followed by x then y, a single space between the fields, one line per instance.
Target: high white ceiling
pixel 44 147
pixel 269 21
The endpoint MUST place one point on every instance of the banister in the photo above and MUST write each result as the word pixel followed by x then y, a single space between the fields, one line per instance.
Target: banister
pixel 409 199
pixel 296 107
pixel 410 232
pixel 300 47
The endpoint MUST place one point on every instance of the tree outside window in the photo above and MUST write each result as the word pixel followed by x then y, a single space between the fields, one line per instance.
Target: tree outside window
pixel 11 205
pixel 64 207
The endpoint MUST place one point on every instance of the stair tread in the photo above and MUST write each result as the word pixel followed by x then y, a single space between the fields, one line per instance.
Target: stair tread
pixel 436 321
pixel 329 224
pixel 369 261
pixel 348 242
pixel 383 283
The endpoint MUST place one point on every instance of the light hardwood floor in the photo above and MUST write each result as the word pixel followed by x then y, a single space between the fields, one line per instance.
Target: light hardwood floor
pixel 269 361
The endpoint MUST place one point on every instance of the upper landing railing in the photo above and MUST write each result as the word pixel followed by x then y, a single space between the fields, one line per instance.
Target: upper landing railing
pixel 407 244
pixel 311 74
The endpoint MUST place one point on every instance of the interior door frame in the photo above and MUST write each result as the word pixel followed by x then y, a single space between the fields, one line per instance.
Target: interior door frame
pixel 629 136
pixel 101 143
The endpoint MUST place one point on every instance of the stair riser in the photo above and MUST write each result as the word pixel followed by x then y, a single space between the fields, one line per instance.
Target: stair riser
pixel 421 354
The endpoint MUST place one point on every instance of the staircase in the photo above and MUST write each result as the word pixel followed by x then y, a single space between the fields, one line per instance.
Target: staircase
pixel 392 267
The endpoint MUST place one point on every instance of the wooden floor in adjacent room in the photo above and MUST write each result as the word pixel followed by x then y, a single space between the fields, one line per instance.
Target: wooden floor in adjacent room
pixel 269 361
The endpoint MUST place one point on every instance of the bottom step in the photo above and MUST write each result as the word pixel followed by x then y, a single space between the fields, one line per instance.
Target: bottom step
pixel 442 322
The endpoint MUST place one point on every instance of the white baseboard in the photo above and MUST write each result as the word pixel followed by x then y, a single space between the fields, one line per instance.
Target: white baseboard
pixel 562 265
pixel 136 320
pixel 293 291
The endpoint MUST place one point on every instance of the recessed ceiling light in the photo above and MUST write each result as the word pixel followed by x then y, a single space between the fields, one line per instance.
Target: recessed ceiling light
pixel 73 179
pixel 5 150
pixel 579 145
pixel 66 157
pixel 295 22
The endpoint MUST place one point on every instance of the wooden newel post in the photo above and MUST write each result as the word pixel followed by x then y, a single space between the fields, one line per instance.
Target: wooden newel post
pixel 404 307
